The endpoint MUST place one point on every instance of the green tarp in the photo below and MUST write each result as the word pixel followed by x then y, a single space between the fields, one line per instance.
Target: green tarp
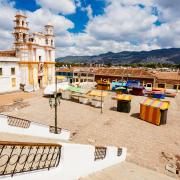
pixel 77 89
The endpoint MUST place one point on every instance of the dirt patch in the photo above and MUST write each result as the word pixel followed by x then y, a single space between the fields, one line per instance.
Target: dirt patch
pixel 14 106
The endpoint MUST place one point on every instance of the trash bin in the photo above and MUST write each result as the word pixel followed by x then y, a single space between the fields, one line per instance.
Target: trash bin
pixel 123 106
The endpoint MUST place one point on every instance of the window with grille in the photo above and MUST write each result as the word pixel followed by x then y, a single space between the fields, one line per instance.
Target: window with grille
pixel 13 71
pixel 13 82
pixel 100 153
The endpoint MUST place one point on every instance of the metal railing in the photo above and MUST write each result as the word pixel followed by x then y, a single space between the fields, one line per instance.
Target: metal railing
pixel 52 130
pixel 119 151
pixel 16 157
pixel 18 122
pixel 100 153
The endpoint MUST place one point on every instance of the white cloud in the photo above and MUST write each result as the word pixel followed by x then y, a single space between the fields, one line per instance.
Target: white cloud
pixel 6 24
pixel 38 19
pixel 123 26
pixel 58 6
pixel 42 17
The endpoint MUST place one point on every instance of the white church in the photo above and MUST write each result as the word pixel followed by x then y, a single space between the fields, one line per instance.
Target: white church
pixel 31 62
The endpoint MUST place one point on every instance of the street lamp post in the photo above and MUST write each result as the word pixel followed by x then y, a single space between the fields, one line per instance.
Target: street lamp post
pixel 54 104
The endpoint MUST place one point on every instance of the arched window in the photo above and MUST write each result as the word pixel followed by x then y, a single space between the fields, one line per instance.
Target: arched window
pixel 46 41
pixel 17 22
pixel 24 37
pixel 51 42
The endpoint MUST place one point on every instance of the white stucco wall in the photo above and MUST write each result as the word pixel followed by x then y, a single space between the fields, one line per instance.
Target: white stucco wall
pixel 6 63
pixel 76 161
pixel 35 129
pixel 40 52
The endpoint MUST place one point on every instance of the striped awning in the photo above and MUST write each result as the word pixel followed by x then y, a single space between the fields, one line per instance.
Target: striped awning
pixel 156 103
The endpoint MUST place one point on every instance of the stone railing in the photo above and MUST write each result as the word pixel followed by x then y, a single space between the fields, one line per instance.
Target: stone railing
pixel 12 124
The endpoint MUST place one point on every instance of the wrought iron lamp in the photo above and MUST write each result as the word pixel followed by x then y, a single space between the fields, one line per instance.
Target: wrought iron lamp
pixel 54 102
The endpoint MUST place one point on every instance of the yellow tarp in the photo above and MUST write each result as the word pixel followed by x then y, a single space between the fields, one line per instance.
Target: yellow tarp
pixel 150 110
pixel 60 77
pixel 123 97
pixel 98 93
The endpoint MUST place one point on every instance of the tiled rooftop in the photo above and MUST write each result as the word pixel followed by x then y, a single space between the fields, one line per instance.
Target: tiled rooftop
pixel 7 53
pixel 132 72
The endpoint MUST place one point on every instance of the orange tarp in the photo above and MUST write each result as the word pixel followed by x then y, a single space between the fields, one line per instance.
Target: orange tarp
pixel 150 110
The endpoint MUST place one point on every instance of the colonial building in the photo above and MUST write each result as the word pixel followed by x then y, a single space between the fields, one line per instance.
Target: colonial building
pixel 76 74
pixel 124 74
pixel 9 72
pixel 34 55
pixel 170 80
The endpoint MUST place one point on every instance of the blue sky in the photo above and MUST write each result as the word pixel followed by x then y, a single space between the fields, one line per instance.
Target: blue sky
pixel 79 18
pixel 91 27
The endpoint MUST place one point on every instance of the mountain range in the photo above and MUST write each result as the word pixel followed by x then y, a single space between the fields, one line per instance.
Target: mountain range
pixel 171 56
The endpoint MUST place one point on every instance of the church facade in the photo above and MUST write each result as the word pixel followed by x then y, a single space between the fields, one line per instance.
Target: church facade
pixel 31 63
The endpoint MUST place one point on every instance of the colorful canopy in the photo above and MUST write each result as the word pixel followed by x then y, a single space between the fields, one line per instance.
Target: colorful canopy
pixel 60 77
pixel 103 82
pixel 77 89
pixel 163 105
pixel 120 88
pixel 123 97
pixel 98 93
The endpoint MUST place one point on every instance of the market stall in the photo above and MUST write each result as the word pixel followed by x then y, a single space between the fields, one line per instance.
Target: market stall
pixel 123 103
pixel 103 85
pixel 154 111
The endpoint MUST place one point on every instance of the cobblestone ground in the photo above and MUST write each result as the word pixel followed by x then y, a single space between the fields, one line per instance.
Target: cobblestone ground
pixel 148 145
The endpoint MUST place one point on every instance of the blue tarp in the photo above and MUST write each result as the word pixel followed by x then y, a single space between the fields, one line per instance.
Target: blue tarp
pixel 118 84
pixel 133 83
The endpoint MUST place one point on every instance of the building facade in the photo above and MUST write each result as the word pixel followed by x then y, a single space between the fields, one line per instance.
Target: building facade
pixel 76 75
pixel 33 53
pixel 9 72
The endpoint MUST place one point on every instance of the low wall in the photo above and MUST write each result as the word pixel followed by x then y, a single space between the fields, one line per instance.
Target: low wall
pixel 80 161
pixel 76 161
pixel 32 129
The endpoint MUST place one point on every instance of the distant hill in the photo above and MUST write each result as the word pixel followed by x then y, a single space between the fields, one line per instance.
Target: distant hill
pixel 160 55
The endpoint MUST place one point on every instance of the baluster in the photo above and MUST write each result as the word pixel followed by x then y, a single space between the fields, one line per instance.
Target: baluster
pixel 8 160
pixel 47 157
pixel 52 158
pixel 26 158
pixel 34 158
pixel 41 157
pixel 58 157
pixel 22 147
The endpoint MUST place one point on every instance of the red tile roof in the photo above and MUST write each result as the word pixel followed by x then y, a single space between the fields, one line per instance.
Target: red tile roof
pixel 7 53
pixel 130 72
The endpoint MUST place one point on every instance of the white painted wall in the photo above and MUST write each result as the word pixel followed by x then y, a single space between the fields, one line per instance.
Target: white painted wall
pixel 35 129
pixel 76 161
pixel 41 52
pixel 6 63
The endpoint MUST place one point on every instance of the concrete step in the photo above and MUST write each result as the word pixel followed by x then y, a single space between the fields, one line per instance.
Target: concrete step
pixel 127 171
